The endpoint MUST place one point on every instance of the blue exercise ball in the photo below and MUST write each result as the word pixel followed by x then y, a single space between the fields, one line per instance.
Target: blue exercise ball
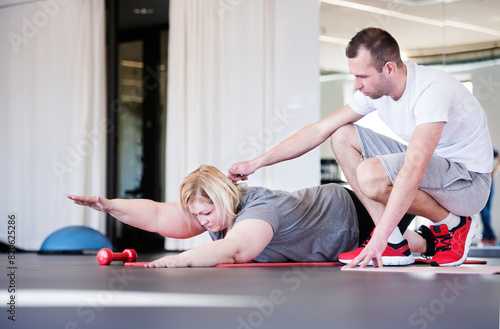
pixel 74 239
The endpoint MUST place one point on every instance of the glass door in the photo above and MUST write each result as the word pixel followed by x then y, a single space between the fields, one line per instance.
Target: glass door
pixel 141 122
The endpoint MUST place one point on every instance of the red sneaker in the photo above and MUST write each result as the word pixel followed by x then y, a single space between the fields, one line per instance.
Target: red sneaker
pixel 452 246
pixel 394 254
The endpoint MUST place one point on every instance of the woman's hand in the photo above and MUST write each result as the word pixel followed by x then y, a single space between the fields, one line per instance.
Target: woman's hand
pixel 94 202
pixel 169 261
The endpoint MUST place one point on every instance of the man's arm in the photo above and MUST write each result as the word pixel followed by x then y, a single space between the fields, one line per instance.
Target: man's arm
pixel 422 145
pixel 296 145
pixel 245 241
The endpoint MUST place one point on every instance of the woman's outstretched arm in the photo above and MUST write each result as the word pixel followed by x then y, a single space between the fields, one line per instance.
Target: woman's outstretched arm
pixel 167 219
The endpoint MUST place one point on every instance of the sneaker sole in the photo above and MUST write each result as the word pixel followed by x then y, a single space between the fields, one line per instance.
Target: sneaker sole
pixel 468 242
pixel 388 261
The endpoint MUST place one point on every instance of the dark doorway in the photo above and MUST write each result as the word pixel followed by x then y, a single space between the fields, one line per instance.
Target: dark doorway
pixel 137 84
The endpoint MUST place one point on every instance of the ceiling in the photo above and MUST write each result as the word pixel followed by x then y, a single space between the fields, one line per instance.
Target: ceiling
pixel 421 27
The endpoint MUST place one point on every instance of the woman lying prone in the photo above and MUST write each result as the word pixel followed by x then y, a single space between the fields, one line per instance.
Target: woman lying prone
pixel 246 223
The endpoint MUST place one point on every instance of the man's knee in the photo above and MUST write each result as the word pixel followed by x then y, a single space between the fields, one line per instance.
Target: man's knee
pixel 344 136
pixel 373 180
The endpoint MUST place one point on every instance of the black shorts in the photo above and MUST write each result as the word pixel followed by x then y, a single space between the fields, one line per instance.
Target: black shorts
pixel 365 222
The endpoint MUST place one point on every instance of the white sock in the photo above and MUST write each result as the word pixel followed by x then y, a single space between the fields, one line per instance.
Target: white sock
pixel 396 236
pixel 451 221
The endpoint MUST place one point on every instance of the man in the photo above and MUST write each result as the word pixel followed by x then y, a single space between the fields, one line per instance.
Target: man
pixel 443 172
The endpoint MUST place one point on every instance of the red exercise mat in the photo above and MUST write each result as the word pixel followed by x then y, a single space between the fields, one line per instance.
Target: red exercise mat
pixel 137 263
pixel 260 264
pixel 310 264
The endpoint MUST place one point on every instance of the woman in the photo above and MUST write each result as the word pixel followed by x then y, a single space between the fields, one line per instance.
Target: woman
pixel 246 223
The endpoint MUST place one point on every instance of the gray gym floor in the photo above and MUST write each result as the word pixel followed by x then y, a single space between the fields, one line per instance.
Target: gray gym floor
pixel 73 291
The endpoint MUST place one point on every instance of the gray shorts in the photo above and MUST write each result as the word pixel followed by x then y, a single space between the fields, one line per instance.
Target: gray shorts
pixel 462 192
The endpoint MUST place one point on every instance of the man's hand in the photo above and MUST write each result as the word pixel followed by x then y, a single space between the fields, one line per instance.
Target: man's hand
pixel 372 252
pixel 240 171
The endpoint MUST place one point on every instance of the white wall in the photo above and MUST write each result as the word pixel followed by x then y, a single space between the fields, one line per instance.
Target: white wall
pixel 296 87
pixel 332 99
pixel 293 96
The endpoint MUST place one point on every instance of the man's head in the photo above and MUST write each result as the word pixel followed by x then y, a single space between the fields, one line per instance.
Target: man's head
pixel 375 62
pixel 381 45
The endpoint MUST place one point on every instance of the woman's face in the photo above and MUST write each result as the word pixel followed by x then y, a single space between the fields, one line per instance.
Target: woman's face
pixel 206 215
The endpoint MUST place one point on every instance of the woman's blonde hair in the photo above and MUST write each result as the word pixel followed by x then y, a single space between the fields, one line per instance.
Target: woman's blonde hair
pixel 211 185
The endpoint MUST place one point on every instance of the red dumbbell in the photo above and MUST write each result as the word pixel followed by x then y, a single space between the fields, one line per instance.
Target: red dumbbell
pixel 105 256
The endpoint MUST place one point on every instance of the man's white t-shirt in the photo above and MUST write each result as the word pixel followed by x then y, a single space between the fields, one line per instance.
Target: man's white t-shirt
pixel 435 96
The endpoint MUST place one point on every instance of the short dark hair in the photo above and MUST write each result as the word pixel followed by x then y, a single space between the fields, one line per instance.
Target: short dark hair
pixel 381 45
